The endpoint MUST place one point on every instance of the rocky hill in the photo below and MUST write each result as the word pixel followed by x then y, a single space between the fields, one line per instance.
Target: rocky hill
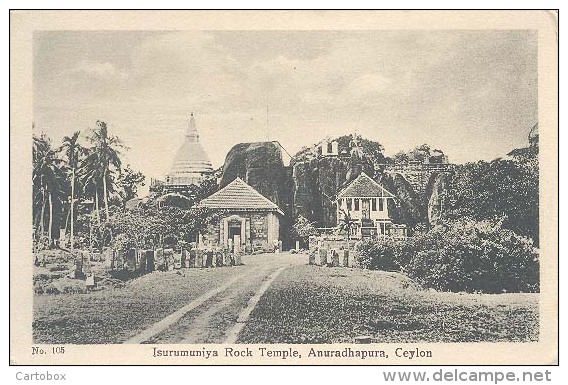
pixel 308 186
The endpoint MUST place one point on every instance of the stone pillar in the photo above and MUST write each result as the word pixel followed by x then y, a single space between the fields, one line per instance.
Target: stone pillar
pixel 150 261
pixel 119 260
pixel 159 259
pixel 79 266
pixel 312 257
pixel 200 257
pixel 334 258
pixel 323 257
pixel 141 260
pixel 183 261
pixel 346 258
pixel 109 258
pixel 130 262
pixel 219 258
pixel 169 259
pixel 297 246
pixel 209 260
pixel 192 258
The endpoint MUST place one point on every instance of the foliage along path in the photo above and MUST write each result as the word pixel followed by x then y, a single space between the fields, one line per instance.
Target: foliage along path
pixel 218 315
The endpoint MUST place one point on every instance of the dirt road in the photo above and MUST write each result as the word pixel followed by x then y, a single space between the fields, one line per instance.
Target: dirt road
pixel 218 315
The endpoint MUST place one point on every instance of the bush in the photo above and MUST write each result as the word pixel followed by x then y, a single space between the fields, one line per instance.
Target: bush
pixel 475 257
pixel 380 254
pixel 462 255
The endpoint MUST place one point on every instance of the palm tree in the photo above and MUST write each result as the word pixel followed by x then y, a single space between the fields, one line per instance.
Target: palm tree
pixel 105 155
pixel 73 151
pixel 48 177
pixel 90 177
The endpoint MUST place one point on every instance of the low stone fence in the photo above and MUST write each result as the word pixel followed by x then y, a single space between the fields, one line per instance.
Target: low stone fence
pixel 332 251
pixel 332 257
pixel 145 261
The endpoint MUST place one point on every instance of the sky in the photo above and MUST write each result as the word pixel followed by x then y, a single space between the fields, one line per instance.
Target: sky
pixel 472 94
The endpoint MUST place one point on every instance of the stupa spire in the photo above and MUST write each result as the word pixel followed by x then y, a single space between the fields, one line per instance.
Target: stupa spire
pixel 191 134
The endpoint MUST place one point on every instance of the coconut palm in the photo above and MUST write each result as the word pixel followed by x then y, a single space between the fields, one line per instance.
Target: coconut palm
pixel 48 178
pixel 105 156
pixel 73 151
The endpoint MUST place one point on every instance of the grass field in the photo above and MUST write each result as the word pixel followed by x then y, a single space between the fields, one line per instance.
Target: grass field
pixel 309 304
pixel 112 316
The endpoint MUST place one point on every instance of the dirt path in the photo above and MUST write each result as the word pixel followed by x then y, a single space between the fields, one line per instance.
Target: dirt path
pixel 219 315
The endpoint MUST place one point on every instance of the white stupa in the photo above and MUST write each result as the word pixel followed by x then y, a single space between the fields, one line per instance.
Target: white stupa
pixel 191 163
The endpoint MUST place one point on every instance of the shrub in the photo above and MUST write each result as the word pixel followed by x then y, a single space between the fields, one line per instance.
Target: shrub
pixel 380 254
pixel 462 255
pixel 473 256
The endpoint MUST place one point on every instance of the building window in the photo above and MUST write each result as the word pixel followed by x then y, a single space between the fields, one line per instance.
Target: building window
pixel 349 204
pixel 381 204
pixel 356 204
pixel 374 204
pixel 339 202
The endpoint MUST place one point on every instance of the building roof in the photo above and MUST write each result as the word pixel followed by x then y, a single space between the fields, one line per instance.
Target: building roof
pixel 191 158
pixel 364 187
pixel 238 195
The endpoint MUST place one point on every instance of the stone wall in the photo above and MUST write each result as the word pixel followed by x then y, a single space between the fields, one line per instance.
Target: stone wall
pixel 418 175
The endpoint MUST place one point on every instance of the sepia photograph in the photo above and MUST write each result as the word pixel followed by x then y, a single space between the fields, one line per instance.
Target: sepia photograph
pixel 354 195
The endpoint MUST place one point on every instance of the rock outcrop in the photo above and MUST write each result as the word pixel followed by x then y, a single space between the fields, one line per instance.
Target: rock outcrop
pixel 260 165
pixel 308 187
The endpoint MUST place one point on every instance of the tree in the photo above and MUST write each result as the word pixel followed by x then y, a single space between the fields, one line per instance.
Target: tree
pixel 105 156
pixel 346 223
pixel 73 151
pixel 48 178
pixel 303 228
pixel 500 189
pixel 128 182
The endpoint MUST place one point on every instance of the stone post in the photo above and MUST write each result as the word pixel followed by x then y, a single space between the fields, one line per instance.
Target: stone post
pixel 192 258
pixel 159 260
pixel 109 258
pixel 183 261
pixel 209 260
pixel 237 259
pixel 169 259
pixel 334 258
pixel 150 262
pixel 141 260
pixel 199 258
pixel 323 257
pixel 79 266
pixel 130 262
pixel 119 259
pixel 312 257
pixel 346 258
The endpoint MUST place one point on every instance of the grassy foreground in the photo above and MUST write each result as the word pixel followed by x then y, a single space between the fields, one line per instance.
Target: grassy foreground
pixel 310 304
pixel 112 316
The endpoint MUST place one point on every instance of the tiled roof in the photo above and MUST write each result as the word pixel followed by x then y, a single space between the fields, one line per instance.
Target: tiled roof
pixel 238 195
pixel 364 187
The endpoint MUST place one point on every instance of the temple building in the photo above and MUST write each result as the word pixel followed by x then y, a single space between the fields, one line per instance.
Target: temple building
pixel 366 203
pixel 248 221
pixel 191 163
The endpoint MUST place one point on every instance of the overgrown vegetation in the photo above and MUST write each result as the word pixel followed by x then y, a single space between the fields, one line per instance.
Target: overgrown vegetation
pixel 461 255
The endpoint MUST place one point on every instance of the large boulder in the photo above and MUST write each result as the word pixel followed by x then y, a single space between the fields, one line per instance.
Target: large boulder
pixel 261 166
pixel 408 208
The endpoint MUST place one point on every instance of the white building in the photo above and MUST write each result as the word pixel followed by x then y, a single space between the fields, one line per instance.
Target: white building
pixel 366 203
pixel 191 163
